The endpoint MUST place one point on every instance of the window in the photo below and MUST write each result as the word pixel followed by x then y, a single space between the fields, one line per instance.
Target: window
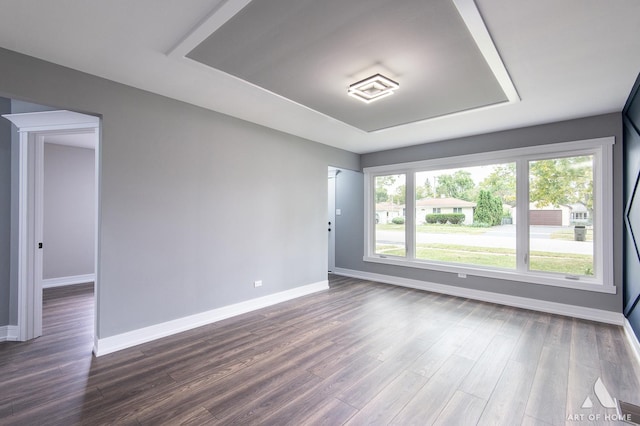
pixel 390 197
pixel 540 215
pixel 555 185
pixel 471 235
pixel 579 216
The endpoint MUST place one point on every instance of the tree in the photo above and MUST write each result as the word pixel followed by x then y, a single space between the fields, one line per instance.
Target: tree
pixel 400 195
pixel 425 191
pixel 488 209
pixel 382 183
pixel 501 183
pixel 381 195
pixel 562 181
pixel 458 185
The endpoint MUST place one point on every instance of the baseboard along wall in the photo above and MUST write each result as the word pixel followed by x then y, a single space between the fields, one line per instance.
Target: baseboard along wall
pixel 632 338
pixel 9 333
pixel 487 296
pixel 143 335
pixel 62 281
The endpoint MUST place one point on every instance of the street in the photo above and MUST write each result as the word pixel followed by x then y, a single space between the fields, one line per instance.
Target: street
pixel 498 236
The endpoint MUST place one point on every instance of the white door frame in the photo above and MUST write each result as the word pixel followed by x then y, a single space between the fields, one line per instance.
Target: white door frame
pixel 331 214
pixel 32 128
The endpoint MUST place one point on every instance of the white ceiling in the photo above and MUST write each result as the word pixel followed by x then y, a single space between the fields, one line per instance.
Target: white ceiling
pixel 566 59
pixel 78 140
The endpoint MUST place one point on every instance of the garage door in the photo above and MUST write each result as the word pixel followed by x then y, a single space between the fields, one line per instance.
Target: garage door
pixel 545 217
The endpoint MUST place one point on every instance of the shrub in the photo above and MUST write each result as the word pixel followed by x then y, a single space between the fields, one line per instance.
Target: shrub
pixel 442 218
pixel 431 218
pixel 456 218
pixel 398 220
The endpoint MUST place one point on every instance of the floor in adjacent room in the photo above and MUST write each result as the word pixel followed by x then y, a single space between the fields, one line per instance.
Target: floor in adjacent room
pixel 359 353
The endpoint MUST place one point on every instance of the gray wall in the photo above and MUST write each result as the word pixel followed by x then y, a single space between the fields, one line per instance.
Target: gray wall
pixel 349 227
pixel 69 211
pixel 350 194
pixel 194 205
pixel 5 211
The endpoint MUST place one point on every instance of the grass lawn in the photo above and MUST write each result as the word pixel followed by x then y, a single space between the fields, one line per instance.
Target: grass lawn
pixel 434 228
pixel 567 263
pixel 567 234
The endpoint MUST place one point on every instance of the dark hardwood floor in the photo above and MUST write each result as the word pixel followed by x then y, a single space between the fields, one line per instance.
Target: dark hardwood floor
pixel 359 353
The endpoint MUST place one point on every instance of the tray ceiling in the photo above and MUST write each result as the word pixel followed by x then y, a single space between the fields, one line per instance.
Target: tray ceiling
pixel 311 51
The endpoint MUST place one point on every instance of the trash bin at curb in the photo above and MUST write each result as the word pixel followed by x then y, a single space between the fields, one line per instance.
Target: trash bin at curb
pixel 580 233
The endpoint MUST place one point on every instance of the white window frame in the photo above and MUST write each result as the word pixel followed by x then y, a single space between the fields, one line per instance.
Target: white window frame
pixel 602 151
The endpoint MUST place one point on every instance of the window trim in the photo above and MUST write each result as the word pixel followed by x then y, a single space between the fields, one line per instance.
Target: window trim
pixel 601 148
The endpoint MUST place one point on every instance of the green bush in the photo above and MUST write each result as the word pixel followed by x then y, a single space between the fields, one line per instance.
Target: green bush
pixel 442 218
pixel 398 220
pixel 456 218
pixel 431 218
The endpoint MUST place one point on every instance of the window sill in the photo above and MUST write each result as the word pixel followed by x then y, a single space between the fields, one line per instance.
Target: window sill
pixel 585 284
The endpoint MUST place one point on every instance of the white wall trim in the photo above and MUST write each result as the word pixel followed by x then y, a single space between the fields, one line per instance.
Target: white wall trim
pixel 9 333
pixel 142 335
pixel 632 338
pixel 487 296
pixel 52 120
pixel 32 128
pixel 62 281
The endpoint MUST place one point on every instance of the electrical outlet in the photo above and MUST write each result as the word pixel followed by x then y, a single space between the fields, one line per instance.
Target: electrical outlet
pixel 257 283
pixel 461 275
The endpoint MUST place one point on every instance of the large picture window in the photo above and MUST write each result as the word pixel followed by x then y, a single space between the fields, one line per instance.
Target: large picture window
pixel 540 214
pixel 464 227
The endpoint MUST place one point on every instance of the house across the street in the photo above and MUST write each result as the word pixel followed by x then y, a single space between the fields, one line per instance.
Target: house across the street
pixel 444 205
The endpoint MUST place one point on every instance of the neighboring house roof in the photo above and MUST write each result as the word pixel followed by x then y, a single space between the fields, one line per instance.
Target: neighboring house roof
pixel 578 207
pixel 443 202
pixel 389 207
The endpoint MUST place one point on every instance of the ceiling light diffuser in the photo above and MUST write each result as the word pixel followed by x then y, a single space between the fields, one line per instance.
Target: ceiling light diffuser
pixel 372 88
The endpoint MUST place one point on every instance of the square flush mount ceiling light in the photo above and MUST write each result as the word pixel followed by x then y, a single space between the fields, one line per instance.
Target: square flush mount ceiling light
pixel 372 88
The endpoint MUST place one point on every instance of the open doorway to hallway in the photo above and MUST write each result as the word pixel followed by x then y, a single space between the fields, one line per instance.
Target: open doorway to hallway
pixel 331 217
pixel 55 205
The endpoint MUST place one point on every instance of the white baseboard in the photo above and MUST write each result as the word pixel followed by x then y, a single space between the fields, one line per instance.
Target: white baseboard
pixel 9 333
pixel 487 296
pixel 62 281
pixel 136 337
pixel 633 339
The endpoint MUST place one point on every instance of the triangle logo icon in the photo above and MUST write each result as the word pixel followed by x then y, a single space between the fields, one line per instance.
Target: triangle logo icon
pixel 603 395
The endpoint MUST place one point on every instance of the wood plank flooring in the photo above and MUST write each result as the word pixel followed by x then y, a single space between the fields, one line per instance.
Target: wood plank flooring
pixel 359 353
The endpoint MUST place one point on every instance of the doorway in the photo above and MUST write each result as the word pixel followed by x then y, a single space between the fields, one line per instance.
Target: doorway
pixel 35 129
pixel 331 215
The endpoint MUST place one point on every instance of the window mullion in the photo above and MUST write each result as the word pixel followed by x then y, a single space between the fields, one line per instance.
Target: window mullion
pixel 369 215
pixel 522 215
pixel 410 215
